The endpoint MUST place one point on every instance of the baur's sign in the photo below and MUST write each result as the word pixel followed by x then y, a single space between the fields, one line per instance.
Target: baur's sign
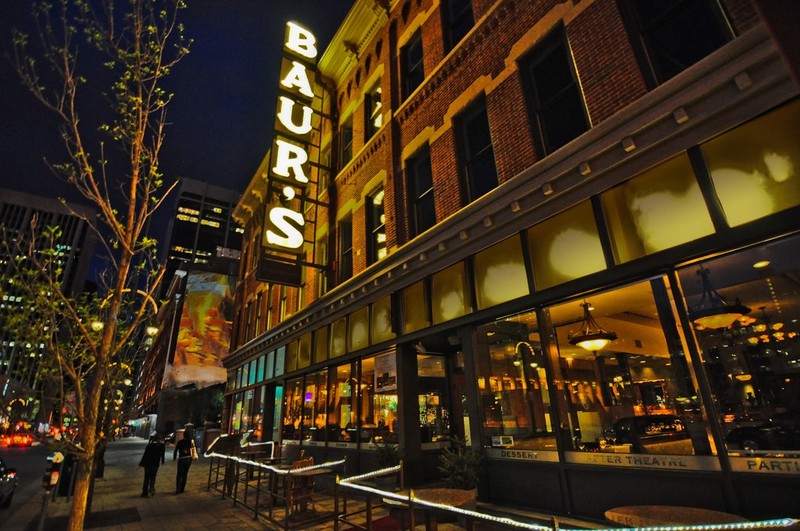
pixel 295 124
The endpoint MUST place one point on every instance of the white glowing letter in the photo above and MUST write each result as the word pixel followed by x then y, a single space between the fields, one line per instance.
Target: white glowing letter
pixel 288 236
pixel 298 77
pixel 290 157
pixel 285 116
pixel 301 41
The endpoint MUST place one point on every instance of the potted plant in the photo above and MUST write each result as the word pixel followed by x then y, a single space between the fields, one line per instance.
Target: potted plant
pixel 386 455
pixel 461 465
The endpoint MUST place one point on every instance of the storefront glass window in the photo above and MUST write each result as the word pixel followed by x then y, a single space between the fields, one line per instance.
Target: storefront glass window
pixel 382 320
pixel 269 371
pixel 342 414
pixel 450 298
pixel 315 405
pixel 292 409
pixel 753 363
pixel 247 408
pixel 258 413
pixel 565 247
pixel 291 356
pixel 636 394
pixel 304 351
pixel 378 398
pixel 755 166
pixel 359 329
pixel 500 274
pixel 338 337
pixel 236 416
pixel 415 308
pixel 260 377
pixel 253 370
pixel 280 360
pixel 433 399
pixel 513 390
pixel 656 210
pixel 245 375
pixel 321 344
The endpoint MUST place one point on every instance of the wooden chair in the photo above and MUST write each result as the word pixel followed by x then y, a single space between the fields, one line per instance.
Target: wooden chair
pixel 300 489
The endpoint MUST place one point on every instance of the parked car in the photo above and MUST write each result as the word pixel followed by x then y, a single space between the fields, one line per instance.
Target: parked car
pixel 17 438
pixel 645 431
pixel 8 484
pixel 779 432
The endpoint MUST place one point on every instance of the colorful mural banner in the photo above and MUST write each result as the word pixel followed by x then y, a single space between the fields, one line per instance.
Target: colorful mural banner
pixel 204 334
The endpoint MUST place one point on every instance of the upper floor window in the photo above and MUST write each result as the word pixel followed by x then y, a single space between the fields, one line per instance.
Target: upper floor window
pixel 322 260
pixel 458 20
pixel 373 117
pixel 669 36
pixel 475 151
pixel 345 269
pixel 412 70
pixel 419 178
pixel 554 97
pixel 345 142
pixel 376 227
pixel 249 324
pixel 259 326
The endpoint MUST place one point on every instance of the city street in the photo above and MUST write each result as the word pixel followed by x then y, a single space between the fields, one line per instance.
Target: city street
pixel 30 464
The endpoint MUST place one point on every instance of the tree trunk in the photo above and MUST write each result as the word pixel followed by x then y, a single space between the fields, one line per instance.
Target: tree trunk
pixel 83 477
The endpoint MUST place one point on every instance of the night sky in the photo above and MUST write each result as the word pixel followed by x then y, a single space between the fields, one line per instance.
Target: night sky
pixel 225 92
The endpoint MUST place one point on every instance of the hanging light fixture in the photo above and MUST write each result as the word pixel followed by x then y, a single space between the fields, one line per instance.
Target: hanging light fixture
pixel 713 311
pixel 590 336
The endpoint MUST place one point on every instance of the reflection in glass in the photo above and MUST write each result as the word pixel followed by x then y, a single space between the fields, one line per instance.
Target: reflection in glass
pixel 382 320
pixel 342 406
pixel 656 210
pixel 756 167
pixel 292 410
pixel 378 399
pixel 753 365
pixel 415 308
pixel 500 273
pixel 359 329
pixel 449 297
pixel 513 390
pixel 433 398
pixel 338 337
pixel 315 402
pixel 565 246
pixel 636 395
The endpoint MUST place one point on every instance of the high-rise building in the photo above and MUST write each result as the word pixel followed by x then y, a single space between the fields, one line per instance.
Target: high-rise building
pixel 565 232
pixel 19 361
pixel 202 229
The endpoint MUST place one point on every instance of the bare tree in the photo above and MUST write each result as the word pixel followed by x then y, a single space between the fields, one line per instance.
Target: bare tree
pixel 114 165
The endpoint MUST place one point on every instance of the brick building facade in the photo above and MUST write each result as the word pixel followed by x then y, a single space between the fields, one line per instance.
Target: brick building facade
pixel 487 168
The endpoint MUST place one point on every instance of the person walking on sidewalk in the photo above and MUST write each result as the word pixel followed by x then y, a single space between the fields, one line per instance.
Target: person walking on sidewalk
pixel 185 454
pixel 152 458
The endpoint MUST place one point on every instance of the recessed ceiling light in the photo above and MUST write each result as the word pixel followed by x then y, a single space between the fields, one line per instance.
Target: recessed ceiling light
pixel 761 263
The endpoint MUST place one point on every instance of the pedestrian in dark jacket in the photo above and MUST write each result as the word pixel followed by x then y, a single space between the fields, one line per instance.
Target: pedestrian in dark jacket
pixel 152 458
pixel 183 452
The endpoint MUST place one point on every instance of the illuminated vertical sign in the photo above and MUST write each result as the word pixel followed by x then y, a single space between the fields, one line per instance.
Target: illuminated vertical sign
pixel 297 127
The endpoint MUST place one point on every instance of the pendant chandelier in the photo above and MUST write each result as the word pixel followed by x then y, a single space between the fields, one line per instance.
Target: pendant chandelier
pixel 591 335
pixel 713 311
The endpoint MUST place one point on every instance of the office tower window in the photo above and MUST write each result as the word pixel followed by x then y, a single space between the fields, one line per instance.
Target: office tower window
pixel 554 97
pixel 422 210
pixel 476 153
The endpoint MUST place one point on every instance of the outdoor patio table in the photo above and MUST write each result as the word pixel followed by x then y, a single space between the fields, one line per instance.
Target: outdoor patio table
pixel 443 496
pixel 659 515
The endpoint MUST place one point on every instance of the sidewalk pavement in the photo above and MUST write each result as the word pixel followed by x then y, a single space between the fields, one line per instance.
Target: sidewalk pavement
pixel 117 503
